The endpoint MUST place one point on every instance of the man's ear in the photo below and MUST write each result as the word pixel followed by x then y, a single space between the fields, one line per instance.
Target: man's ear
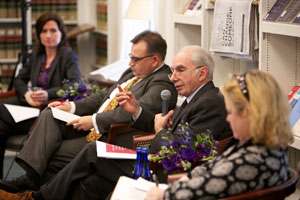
pixel 203 71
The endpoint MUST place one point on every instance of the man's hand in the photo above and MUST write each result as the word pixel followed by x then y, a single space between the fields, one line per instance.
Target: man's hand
pixel 128 102
pixel 84 123
pixel 161 122
pixel 65 106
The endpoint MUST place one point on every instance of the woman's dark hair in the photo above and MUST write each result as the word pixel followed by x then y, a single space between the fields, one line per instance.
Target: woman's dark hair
pixel 42 20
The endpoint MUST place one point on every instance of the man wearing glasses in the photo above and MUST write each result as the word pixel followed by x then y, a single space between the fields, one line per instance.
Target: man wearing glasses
pixel 203 108
pixel 89 177
pixel 53 143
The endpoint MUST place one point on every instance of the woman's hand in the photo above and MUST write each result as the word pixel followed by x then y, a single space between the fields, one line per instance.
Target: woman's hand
pixel 39 96
pixel 30 101
pixel 155 194
pixel 161 122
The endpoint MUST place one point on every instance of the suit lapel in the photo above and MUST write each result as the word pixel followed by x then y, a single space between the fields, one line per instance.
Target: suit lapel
pixel 53 66
pixel 208 86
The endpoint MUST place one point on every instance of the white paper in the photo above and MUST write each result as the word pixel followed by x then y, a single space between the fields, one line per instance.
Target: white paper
pixel 121 152
pixel 131 189
pixel 63 115
pixel 21 113
pixel 112 71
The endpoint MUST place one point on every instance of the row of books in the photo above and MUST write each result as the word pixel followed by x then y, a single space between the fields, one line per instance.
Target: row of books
pixel 192 7
pixel 10 9
pixel 286 11
pixel 66 9
pixel 6 72
pixel 101 50
pixel 293 98
pixel 10 42
pixel 101 10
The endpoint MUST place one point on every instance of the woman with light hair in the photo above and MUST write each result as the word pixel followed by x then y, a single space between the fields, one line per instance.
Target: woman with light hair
pixel 258 114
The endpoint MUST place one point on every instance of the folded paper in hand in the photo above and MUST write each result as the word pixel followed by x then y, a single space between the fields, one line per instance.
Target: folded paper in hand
pixel 63 115
pixel 106 150
pixel 27 112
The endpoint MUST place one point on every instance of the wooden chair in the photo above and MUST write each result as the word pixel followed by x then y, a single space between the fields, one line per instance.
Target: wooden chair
pixel 118 133
pixel 277 192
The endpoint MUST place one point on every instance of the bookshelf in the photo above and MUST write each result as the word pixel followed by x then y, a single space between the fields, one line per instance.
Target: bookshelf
pixel 11 31
pixel 106 33
pixel 279 53
pixel 196 30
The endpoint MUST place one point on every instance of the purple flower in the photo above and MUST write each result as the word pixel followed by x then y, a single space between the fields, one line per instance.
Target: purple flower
pixel 188 153
pixel 168 164
pixel 78 97
pixel 176 144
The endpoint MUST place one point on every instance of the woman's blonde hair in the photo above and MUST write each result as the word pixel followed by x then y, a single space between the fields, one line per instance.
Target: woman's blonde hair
pixel 268 110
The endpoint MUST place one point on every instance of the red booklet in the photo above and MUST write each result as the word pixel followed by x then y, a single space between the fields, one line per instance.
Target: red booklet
pixel 106 150
pixel 293 92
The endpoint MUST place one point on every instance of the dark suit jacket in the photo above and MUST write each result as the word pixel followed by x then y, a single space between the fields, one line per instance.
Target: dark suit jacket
pixel 146 91
pixel 205 111
pixel 64 66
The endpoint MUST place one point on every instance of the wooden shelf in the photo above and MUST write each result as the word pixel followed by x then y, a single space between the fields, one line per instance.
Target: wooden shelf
pixel 102 32
pixel 10 20
pixel 296 143
pixel 280 28
pixel 8 60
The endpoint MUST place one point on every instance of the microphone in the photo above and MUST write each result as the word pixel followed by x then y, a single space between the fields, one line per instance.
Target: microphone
pixel 165 96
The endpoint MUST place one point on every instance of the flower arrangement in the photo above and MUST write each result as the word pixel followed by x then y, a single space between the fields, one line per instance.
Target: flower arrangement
pixel 78 90
pixel 184 153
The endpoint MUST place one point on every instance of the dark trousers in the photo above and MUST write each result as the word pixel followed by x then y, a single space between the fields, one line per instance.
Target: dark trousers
pixel 8 127
pixel 87 176
pixel 51 146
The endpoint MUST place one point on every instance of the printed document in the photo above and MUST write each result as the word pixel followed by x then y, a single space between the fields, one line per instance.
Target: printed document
pixel 21 113
pixel 63 115
pixel 131 189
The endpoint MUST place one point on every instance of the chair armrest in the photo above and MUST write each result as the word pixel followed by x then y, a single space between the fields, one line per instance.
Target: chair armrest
pixel 142 139
pixel 118 129
pixel 222 144
pixel 175 177
pixel 7 94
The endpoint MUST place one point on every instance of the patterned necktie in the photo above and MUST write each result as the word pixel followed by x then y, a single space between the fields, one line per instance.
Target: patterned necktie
pixel 93 136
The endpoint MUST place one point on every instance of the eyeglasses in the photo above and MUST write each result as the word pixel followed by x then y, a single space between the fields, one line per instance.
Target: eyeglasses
pixel 178 73
pixel 136 59
pixel 243 85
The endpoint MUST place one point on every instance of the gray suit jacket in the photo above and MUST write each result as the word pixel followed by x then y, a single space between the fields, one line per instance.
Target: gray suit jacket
pixel 64 66
pixel 205 111
pixel 147 92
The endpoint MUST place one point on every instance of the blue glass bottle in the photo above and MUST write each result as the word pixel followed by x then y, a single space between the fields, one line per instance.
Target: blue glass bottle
pixel 146 170
pixel 137 172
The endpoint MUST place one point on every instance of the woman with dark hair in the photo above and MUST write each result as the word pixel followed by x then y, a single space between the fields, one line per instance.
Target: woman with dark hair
pixel 51 63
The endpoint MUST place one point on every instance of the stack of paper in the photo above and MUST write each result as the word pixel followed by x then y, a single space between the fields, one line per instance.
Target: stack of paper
pixel 111 72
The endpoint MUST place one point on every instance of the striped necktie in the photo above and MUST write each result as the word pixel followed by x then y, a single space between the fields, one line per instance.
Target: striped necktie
pixel 93 135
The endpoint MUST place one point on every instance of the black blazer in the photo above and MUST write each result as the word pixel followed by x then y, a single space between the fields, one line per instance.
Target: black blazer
pixel 64 66
pixel 205 111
